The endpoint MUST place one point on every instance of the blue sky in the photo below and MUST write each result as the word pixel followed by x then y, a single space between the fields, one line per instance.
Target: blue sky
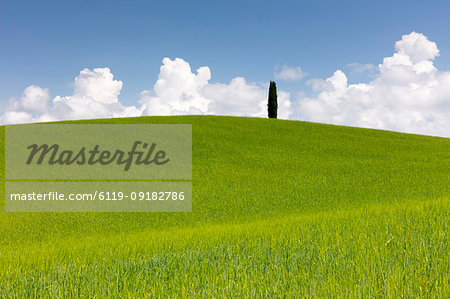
pixel 48 43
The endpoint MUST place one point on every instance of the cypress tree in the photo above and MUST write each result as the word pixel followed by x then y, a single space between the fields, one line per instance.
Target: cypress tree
pixel 272 105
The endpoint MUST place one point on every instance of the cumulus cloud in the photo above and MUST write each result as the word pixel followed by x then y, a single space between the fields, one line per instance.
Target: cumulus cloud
pixel 409 94
pixel 288 73
pixel 180 91
pixel 95 96
pixel 35 99
pixel 33 102
pixel 417 47
pixel 177 91
pixel 16 117
pixel 239 98
pixel 98 85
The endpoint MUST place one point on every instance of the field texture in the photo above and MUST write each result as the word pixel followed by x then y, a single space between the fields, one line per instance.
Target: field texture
pixel 280 208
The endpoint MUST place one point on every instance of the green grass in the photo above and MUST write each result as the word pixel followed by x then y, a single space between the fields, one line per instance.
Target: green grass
pixel 280 208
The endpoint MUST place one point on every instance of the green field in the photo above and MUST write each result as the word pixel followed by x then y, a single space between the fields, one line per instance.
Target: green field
pixel 280 208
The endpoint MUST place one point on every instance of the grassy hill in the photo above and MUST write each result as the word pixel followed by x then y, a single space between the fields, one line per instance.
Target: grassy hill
pixel 279 208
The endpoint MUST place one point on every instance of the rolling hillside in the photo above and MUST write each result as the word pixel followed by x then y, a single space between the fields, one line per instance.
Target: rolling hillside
pixel 279 207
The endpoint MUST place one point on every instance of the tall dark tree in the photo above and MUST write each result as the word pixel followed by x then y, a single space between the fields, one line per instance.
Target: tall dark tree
pixel 272 105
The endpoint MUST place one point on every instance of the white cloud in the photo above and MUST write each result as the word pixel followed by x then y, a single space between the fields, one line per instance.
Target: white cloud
pixel 180 91
pixel 239 98
pixel 288 73
pixel 34 101
pixel 95 96
pixel 417 47
pixel 177 91
pixel 408 95
pixel 16 117
pixel 98 85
